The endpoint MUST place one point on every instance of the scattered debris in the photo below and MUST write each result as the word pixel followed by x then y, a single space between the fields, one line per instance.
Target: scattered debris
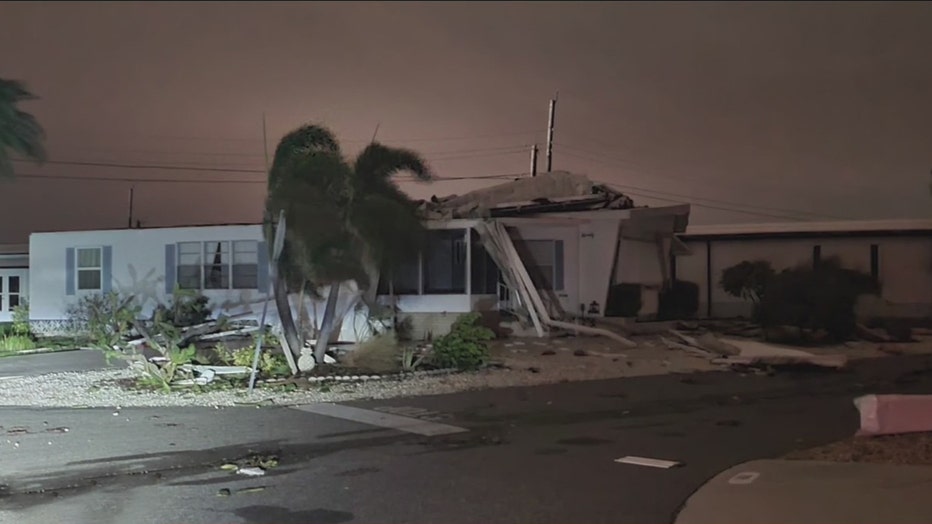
pixel 224 492
pixel 890 414
pixel 229 467
pixel 533 369
pixel 580 353
pixel 251 472
pixel 648 462
pixel 872 335
pixel 548 353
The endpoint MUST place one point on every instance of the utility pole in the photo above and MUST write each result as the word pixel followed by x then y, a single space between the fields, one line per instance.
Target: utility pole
pixel 129 223
pixel 553 111
pixel 534 160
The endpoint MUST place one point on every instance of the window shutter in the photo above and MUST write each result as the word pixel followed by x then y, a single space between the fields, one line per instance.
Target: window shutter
pixel 106 274
pixel 558 265
pixel 262 267
pixel 169 268
pixel 69 271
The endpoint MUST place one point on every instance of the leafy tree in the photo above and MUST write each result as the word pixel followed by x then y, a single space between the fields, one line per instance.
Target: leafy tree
pixel 20 133
pixel 346 219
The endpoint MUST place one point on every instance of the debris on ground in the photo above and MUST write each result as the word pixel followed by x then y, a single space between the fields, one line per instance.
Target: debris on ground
pixel 746 353
pixel 648 462
pixel 251 472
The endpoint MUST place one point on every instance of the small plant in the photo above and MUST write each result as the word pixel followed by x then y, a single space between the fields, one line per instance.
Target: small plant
pixel 680 301
pixel 272 362
pixel 21 320
pixel 106 319
pixel 162 376
pixel 411 359
pixel 187 308
pixel 465 347
pixel 378 354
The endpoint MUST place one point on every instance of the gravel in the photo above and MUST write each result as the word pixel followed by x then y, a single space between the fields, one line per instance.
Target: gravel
pixel 97 388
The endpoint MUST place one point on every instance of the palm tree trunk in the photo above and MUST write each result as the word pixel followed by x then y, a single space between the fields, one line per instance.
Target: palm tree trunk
pixel 326 324
pixel 287 319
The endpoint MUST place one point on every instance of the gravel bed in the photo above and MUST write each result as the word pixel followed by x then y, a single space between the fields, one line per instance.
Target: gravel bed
pixel 96 388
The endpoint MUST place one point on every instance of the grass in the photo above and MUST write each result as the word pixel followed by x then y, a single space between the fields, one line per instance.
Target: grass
pixel 902 449
pixel 14 344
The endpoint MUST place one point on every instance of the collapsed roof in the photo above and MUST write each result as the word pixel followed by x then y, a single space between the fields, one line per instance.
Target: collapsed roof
pixel 546 192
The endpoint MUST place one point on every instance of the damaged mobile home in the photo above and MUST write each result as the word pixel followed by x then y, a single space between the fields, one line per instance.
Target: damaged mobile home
pixel 544 250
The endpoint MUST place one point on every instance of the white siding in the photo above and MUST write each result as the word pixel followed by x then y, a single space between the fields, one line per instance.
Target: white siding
pixel 138 266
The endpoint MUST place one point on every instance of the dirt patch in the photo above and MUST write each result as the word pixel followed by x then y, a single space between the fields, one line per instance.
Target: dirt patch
pixel 905 449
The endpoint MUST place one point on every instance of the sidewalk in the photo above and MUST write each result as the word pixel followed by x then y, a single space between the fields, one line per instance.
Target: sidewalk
pixel 810 492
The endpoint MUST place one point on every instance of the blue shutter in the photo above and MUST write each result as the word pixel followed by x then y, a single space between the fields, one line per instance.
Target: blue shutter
pixel 169 268
pixel 106 273
pixel 262 269
pixel 558 265
pixel 69 271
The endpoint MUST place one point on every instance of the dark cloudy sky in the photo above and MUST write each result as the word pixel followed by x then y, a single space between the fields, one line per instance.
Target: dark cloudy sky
pixel 783 110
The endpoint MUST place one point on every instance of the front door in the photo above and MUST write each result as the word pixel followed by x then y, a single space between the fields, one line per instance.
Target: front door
pixel 12 293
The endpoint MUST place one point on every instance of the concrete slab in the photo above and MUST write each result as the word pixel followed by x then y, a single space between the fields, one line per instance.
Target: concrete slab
pixel 809 492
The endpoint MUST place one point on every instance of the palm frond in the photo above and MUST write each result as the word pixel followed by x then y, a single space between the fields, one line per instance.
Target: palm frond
pixel 380 162
pixel 20 132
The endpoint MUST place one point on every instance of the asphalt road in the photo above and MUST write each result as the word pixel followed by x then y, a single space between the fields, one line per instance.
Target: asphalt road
pixel 542 454
pixel 42 363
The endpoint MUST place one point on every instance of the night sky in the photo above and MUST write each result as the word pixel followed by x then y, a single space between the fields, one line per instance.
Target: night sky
pixel 814 111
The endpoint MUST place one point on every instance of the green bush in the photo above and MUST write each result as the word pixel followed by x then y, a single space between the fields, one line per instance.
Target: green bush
pixel 816 299
pixel 624 300
pixel 186 308
pixel 465 347
pixel 680 301
pixel 106 319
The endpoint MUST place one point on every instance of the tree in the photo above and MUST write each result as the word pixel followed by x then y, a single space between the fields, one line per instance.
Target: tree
pixel 20 133
pixel 347 220
pixel 747 280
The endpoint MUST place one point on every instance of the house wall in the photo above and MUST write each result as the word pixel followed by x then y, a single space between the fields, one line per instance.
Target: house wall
pixel 905 267
pixel 137 266
pixel 598 241
pixel 573 259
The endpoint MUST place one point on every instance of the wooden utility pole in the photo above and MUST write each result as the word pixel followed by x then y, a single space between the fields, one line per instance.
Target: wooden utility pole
pixel 129 223
pixel 553 111
pixel 534 160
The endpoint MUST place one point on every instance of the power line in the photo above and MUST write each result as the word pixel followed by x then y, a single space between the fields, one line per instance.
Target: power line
pixel 707 206
pixel 402 178
pixel 691 198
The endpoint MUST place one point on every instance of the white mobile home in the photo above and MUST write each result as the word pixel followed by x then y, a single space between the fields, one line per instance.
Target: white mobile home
pixel 898 253
pixel 573 238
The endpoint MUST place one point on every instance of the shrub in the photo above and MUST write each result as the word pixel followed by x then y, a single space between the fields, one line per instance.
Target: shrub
pixel 105 318
pixel 379 354
pixel 624 300
pixel 747 280
pixel 680 301
pixel 465 347
pixel 186 308
pixel 816 299
pixel 21 324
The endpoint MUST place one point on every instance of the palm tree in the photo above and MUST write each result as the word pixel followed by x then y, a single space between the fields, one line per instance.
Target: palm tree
pixel 347 220
pixel 20 133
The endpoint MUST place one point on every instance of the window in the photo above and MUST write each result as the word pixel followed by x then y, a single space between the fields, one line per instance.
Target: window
pixel 13 291
pixel 89 268
pixel 218 264
pixel 189 265
pixel 245 264
pixel 404 279
pixel 485 273
pixel 445 262
pixel 544 262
